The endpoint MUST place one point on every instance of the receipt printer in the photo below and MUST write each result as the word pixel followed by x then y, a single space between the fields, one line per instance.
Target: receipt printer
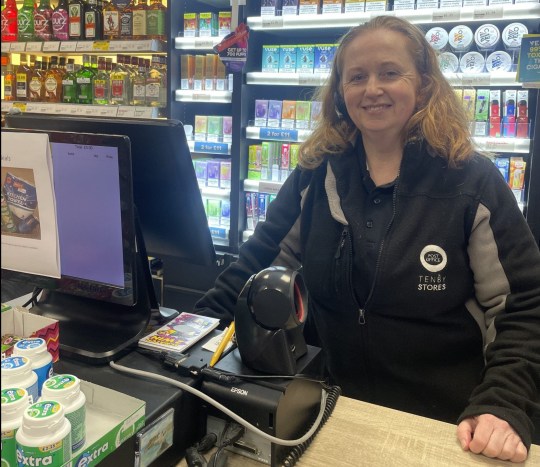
pixel 285 408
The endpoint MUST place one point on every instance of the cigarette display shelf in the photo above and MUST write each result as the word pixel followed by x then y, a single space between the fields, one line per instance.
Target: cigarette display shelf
pixel 196 43
pixel 327 29
pixel 426 16
pixel 210 96
pixel 506 79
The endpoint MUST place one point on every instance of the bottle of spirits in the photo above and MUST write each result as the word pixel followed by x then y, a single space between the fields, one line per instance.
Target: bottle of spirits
pixel 25 22
pixel 101 93
pixel 76 19
pixel 10 83
pixel 36 88
pixel 111 21
pixel 93 25
pixel 24 74
pixel 60 21
pixel 53 82
pixel 69 83
pixel 9 21
pixel 139 20
pixel 156 83
pixel 120 83
pixel 155 20
pixel 126 21
pixel 85 79
pixel 139 85
pixel 43 21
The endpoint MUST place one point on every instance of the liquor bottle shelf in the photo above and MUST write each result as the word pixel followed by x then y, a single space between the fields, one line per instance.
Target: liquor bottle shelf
pixel 101 47
pixel 89 110
pixel 346 20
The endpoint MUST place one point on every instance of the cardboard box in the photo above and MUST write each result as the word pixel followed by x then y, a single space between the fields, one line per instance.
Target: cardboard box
pixel 111 418
pixel 18 321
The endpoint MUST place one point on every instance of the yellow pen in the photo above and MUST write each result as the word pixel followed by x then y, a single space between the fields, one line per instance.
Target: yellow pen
pixel 221 347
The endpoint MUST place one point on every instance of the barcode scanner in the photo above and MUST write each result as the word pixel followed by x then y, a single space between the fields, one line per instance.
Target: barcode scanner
pixel 270 315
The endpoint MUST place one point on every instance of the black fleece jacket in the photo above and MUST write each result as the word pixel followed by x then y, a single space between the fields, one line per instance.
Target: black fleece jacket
pixel 450 326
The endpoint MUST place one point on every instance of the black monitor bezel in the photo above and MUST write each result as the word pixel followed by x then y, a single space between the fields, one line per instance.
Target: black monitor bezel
pixel 77 286
pixel 189 239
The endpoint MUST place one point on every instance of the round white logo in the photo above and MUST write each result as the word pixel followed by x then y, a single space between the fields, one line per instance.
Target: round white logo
pixel 433 258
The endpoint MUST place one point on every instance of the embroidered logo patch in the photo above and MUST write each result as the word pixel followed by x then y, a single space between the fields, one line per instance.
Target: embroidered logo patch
pixel 433 258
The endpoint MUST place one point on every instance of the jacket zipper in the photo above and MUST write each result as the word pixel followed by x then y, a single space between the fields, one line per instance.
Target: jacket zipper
pixel 362 311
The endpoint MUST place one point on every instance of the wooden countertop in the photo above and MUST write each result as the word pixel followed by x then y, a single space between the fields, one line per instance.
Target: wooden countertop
pixel 360 434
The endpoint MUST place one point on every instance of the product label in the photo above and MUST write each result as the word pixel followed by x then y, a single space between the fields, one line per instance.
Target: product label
pixel 90 24
pixel 35 85
pixel 57 453
pixel 50 85
pixel 125 23
pixel 21 85
pixel 155 22
pixel 75 20
pixel 9 448
pixel 60 382
pixel 77 418
pixel 111 23
pixel 60 25
pixel 117 88
pixel 152 90
pixel 139 90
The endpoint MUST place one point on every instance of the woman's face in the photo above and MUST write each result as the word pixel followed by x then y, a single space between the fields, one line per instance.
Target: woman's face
pixel 380 84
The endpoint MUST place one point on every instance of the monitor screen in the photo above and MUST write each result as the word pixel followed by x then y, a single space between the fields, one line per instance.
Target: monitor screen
pixel 167 197
pixel 93 213
pixel 69 227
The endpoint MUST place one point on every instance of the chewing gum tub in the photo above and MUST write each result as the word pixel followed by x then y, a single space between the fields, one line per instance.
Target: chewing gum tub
pixel 512 35
pixel 44 437
pixel 14 403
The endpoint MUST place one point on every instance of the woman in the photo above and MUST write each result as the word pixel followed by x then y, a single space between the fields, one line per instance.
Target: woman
pixel 424 279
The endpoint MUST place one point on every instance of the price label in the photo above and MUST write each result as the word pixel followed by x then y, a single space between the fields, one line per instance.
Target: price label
pixel 446 15
pixel 477 79
pixel 269 187
pixel 278 134
pixel 75 109
pixel 85 46
pixel 124 46
pixel 68 46
pixel 107 111
pixel 32 108
pixel 20 105
pixel 211 147
pixel 6 106
pixel 203 43
pixel 18 46
pixel 52 46
pixel 500 145
pixel 6 47
pixel 272 22
pixel 141 45
pixel 101 45
pixel 197 96
pixel 492 12
pixel 218 232
pixel 306 79
pixel 62 109
pixel 33 46
pixel 126 112
pixel 45 109
pixel 144 112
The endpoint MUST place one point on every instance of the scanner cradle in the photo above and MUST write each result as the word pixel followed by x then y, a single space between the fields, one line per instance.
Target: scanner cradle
pixel 270 314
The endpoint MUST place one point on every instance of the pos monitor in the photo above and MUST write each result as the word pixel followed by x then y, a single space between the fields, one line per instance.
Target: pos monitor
pixel 68 227
pixel 167 196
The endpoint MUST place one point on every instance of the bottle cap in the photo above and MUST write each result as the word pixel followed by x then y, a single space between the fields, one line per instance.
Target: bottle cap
pixel 43 417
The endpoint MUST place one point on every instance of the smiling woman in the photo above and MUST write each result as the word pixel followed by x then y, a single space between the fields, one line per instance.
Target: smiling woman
pixel 401 230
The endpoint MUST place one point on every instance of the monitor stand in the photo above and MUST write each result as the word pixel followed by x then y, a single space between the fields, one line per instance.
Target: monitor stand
pixel 97 332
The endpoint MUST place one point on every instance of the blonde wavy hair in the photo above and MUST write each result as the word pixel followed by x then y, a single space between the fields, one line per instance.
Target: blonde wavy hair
pixel 439 119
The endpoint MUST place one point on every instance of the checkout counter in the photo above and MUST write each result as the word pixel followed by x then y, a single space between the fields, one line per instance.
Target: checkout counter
pixel 360 434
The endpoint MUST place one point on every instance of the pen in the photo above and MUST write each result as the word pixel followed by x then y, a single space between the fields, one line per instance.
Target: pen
pixel 221 347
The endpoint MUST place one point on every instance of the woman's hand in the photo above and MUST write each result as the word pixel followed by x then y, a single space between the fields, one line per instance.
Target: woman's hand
pixel 488 435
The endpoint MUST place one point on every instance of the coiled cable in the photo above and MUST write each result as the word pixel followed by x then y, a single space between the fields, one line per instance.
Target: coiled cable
pixel 296 452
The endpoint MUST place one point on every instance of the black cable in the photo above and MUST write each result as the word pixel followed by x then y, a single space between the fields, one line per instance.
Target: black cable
pixel 294 454
pixel 32 299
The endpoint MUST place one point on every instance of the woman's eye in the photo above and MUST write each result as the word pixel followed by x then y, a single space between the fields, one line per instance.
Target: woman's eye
pixel 359 77
pixel 389 74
